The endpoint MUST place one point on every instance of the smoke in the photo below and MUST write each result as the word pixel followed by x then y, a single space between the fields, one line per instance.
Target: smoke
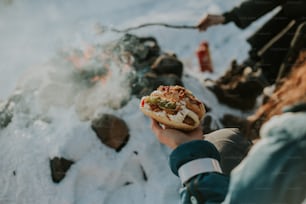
pixel 91 80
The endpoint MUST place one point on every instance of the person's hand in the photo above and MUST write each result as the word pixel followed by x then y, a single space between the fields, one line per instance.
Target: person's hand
pixel 172 137
pixel 210 20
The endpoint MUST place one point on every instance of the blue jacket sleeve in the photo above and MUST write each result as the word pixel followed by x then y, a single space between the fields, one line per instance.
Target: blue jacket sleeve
pixel 273 172
pixel 208 187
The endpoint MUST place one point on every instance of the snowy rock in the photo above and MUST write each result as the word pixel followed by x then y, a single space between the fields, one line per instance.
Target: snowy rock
pixel 142 50
pixel 168 64
pixel 59 167
pixel 111 130
pixel 5 114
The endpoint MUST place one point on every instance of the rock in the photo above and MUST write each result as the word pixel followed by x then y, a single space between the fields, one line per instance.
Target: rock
pixel 168 64
pixel 6 113
pixel 143 49
pixel 232 121
pixel 150 81
pixel 233 100
pixel 167 80
pixel 59 167
pixel 209 123
pixel 151 68
pixel 111 130
pixel 242 90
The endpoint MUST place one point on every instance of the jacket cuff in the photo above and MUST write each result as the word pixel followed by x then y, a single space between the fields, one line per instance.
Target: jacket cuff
pixel 232 17
pixel 228 17
pixel 193 150
pixel 198 166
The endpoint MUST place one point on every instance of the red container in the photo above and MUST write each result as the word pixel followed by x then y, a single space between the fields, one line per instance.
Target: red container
pixel 204 58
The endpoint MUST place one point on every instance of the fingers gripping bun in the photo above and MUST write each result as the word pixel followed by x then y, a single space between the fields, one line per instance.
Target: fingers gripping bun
pixel 173 106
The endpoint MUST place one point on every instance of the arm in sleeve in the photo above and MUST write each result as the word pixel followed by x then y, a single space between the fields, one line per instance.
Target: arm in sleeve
pixel 197 165
pixel 275 168
pixel 249 11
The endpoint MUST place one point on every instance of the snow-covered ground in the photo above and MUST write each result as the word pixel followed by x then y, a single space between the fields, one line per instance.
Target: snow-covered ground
pixel 31 34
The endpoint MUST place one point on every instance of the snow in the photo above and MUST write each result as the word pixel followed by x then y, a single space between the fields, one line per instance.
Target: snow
pixel 49 117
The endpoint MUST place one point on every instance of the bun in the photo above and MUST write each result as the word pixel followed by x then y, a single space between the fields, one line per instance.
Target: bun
pixel 173 106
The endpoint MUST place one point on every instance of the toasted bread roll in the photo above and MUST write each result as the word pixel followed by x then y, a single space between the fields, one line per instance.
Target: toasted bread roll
pixel 173 106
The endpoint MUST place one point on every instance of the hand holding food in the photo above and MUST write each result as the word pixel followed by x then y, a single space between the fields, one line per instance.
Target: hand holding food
pixel 173 106
pixel 210 20
pixel 173 137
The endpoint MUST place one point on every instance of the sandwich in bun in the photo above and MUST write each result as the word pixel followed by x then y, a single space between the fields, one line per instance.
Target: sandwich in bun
pixel 173 106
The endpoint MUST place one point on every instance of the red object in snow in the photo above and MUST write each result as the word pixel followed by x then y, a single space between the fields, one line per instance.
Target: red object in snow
pixel 204 58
